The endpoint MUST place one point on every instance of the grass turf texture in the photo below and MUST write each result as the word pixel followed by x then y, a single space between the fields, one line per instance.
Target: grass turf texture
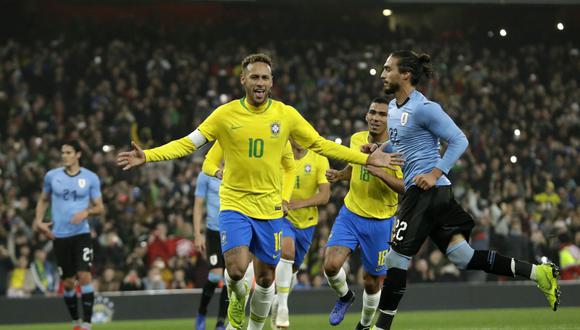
pixel 525 318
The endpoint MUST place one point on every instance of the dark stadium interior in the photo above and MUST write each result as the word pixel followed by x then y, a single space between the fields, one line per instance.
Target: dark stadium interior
pixel 105 72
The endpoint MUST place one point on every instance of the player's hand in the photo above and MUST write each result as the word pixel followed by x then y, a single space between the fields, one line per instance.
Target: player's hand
pixel 369 148
pixel 333 175
pixel 425 181
pixel 79 216
pixel 383 159
pixel 199 243
pixel 219 174
pixel 285 207
pixel 295 204
pixel 130 159
pixel 44 227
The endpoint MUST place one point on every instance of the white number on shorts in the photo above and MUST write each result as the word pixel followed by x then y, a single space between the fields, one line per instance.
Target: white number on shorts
pixel 87 254
pixel 400 227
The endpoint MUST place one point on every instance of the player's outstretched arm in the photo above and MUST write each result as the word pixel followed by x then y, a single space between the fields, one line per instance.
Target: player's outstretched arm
pixel 133 158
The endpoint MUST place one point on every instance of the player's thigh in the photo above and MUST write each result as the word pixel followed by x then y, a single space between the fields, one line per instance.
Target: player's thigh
pixel 450 221
pixel 235 230
pixel 213 250
pixel 83 247
pixel 288 238
pixel 302 245
pixel 414 223
pixel 374 236
pixel 65 257
pixel 343 232
pixel 266 244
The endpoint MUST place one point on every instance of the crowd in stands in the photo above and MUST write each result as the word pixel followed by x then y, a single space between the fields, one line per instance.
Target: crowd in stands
pixel 519 106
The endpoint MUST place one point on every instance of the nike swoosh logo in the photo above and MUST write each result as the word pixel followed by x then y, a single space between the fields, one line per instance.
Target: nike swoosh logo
pixel 235 127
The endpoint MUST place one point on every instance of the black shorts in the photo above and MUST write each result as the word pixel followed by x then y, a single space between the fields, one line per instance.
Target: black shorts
pixel 213 248
pixel 74 254
pixel 433 213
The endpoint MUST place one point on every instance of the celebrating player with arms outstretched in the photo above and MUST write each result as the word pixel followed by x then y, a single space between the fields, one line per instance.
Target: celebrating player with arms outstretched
pixel 253 132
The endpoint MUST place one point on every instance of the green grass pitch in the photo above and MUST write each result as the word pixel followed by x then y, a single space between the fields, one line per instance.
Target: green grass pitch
pixel 525 318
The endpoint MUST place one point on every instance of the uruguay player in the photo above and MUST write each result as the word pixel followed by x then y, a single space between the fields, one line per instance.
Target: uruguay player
pixel 207 195
pixel 428 208
pixel 74 194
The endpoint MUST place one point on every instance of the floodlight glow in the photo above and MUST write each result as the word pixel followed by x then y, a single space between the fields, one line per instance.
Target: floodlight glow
pixel 517 132
pixel 560 26
pixel 513 159
pixel 373 72
pixel 503 32
pixel 387 12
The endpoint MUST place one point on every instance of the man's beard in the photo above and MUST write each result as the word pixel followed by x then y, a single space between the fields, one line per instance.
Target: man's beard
pixel 392 89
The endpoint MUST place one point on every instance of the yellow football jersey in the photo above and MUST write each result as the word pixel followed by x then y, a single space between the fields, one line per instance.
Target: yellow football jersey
pixel 215 157
pixel 253 141
pixel 368 196
pixel 310 172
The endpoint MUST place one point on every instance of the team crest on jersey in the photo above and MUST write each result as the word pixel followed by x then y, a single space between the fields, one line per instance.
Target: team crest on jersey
pixel 275 128
pixel 307 168
pixel 404 118
pixel 82 183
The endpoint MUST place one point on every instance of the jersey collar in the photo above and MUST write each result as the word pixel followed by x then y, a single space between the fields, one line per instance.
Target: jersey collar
pixel 254 109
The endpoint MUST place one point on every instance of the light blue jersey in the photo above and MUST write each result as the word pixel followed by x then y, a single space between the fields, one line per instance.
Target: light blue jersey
pixel 415 129
pixel 69 195
pixel 208 188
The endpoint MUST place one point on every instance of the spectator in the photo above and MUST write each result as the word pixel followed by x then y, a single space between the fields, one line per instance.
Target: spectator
pixel 45 274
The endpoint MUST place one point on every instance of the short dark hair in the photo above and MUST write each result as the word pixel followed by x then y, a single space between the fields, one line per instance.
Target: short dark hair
pixel 253 58
pixel 74 144
pixel 380 100
pixel 418 65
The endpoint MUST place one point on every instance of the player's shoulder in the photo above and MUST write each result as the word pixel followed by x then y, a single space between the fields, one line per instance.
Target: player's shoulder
pixel 362 135
pixel 88 173
pixel 54 172
pixel 277 104
pixel 421 102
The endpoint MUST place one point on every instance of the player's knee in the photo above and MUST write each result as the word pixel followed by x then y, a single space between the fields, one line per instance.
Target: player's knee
pixel 288 255
pixel 84 278
pixel 331 266
pixel 397 260
pixel 372 284
pixel 460 254
pixel 265 280
pixel 68 283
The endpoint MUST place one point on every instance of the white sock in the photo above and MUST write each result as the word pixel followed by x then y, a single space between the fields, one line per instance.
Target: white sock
pixel 370 304
pixel 237 287
pixel 533 273
pixel 338 282
pixel 249 275
pixel 260 306
pixel 283 281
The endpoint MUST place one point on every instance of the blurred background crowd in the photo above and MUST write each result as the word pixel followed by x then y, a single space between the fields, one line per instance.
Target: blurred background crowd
pixel 104 84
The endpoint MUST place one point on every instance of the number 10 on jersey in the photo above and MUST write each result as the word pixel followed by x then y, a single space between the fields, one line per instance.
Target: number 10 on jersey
pixel 255 148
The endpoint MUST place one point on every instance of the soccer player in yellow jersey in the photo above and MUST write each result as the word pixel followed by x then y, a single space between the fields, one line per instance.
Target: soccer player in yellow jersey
pixel 365 220
pixel 253 132
pixel 311 189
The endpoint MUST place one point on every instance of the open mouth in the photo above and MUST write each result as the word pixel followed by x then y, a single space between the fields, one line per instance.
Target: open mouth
pixel 260 93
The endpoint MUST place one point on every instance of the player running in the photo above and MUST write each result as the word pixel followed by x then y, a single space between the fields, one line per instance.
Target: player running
pixel 253 132
pixel 365 220
pixel 428 208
